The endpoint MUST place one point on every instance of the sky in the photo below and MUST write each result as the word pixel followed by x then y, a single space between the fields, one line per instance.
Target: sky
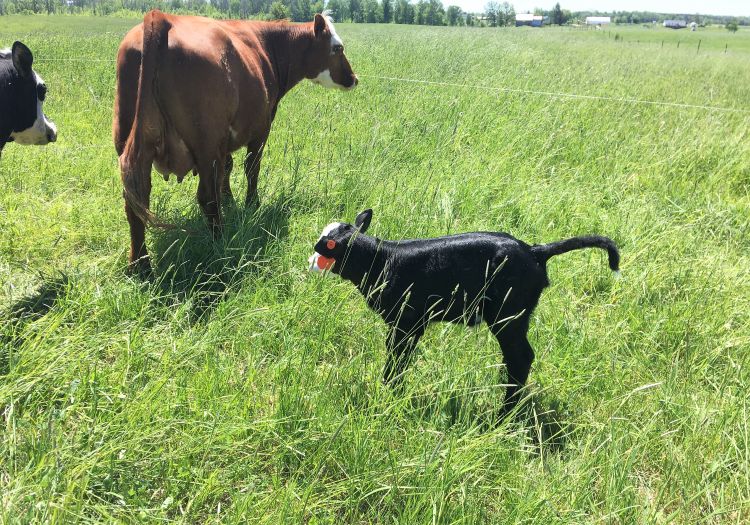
pixel 708 7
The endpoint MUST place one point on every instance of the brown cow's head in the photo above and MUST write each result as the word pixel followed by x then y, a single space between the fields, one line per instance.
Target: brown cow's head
pixel 327 64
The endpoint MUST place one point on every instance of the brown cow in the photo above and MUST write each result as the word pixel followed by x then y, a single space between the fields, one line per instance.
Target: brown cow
pixel 191 90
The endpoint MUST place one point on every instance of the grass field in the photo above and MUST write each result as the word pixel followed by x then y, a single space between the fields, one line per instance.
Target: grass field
pixel 238 388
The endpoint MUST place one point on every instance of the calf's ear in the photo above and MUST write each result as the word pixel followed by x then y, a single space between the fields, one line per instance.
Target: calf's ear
pixel 22 59
pixel 319 25
pixel 362 222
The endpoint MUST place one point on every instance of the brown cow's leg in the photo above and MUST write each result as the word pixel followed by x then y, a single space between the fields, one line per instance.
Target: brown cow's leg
pixel 226 190
pixel 138 260
pixel 137 186
pixel 252 169
pixel 211 175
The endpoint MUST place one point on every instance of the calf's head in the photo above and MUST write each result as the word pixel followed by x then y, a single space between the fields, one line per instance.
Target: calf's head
pixel 327 65
pixel 25 92
pixel 332 246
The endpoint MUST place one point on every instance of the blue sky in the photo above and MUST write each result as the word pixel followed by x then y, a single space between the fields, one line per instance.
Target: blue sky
pixel 713 7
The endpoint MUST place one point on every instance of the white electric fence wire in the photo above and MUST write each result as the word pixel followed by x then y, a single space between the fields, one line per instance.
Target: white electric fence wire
pixel 553 94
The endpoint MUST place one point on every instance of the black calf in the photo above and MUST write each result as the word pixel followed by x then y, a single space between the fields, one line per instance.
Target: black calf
pixel 466 278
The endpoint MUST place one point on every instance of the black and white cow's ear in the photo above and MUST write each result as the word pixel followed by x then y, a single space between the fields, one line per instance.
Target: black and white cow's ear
pixel 22 59
pixel 319 25
pixel 362 222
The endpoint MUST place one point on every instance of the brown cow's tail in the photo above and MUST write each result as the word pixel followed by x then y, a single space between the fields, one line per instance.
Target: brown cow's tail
pixel 139 151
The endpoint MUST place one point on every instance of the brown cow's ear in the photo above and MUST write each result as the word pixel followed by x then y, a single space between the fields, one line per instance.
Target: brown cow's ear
pixel 319 25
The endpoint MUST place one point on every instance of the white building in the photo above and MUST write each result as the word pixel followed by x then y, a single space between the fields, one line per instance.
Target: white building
pixel 598 20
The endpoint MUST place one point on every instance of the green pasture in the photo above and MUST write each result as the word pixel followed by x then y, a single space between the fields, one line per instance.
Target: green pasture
pixel 235 387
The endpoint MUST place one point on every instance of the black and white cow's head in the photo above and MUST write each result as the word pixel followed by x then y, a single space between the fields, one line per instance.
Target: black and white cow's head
pixel 22 94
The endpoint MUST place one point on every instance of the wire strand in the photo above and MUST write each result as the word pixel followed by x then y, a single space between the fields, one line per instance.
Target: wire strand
pixel 626 100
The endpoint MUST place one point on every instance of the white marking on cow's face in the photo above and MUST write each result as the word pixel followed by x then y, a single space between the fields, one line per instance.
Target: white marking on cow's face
pixel 42 131
pixel 328 229
pixel 313 259
pixel 335 38
pixel 324 79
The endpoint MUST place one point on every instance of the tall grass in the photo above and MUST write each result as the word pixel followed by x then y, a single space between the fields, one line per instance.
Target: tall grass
pixel 237 388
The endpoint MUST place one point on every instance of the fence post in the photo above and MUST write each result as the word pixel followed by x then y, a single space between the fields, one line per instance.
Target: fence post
pixel 662 44
pixel 725 48
pixel 678 44
pixel 699 47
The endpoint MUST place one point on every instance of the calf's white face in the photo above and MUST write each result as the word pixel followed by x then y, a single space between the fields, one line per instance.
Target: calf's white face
pixel 318 262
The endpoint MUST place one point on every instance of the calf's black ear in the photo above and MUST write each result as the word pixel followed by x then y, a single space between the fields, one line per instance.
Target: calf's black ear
pixel 22 59
pixel 362 222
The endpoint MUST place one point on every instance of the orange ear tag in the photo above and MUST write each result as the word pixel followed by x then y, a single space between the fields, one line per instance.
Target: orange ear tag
pixel 331 244
pixel 325 263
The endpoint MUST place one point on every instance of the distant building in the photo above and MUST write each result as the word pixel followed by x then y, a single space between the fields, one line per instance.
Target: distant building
pixel 598 20
pixel 675 24
pixel 528 19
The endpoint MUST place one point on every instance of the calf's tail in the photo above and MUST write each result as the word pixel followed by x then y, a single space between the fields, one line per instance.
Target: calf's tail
pixel 543 252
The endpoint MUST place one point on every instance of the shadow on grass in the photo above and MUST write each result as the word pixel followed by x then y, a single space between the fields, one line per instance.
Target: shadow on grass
pixel 28 308
pixel 543 418
pixel 190 264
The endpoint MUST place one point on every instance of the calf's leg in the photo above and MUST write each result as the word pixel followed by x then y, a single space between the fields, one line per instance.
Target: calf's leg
pixel 402 340
pixel 518 356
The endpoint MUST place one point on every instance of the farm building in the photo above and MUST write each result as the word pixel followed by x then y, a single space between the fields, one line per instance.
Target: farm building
pixel 528 19
pixel 675 24
pixel 598 20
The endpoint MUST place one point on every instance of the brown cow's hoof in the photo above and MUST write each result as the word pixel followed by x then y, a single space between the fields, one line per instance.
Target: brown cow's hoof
pixel 140 268
pixel 252 201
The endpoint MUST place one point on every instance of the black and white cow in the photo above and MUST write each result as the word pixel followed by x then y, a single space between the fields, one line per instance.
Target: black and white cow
pixel 22 93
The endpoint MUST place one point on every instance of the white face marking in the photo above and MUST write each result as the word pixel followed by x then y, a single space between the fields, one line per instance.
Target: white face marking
pixel 328 229
pixel 41 130
pixel 335 38
pixel 324 79
pixel 313 259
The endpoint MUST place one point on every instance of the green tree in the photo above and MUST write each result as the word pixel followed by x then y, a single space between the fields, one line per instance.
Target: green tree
pixel 387 10
pixel 732 26
pixel 372 12
pixel 355 11
pixel 508 13
pixel 279 11
pixel 403 12
pixel 491 11
pixel 453 15
pixel 557 15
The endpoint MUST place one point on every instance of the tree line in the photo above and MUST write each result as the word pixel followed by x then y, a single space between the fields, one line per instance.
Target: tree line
pixel 421 12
